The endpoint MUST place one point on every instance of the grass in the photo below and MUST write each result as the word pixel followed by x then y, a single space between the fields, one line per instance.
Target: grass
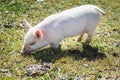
pixel 72 60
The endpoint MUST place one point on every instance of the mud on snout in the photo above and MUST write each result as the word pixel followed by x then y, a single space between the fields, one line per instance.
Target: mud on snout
pixel 26 51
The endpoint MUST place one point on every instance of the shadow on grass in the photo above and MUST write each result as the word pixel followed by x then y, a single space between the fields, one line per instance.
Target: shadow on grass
pixel 50 55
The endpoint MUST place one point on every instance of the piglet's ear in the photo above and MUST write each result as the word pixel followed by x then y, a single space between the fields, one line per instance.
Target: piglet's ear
pixel 38 34
pixel 26 24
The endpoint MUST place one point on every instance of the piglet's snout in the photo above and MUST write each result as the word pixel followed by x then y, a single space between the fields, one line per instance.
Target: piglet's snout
pixel 25 51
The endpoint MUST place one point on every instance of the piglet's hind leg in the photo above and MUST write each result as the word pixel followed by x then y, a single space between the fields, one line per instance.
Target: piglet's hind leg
pixel 80 37
pixel 88 40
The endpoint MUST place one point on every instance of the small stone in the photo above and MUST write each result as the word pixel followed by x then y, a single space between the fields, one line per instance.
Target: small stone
pixel 117 44
pixel 78 78
pixel 97 35
pixel 17 60
pixel 21 25
pixel 106 33
pixel 86 65
pixel 6 72
pixel 99 74
pixel 40 0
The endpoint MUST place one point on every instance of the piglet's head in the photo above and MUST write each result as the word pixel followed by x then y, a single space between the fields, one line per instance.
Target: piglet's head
pixel 31 39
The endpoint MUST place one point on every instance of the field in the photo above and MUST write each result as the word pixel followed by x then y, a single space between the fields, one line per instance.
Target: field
pixel 100 61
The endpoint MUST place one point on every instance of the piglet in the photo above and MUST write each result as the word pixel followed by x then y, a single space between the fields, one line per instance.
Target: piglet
pixel 53 29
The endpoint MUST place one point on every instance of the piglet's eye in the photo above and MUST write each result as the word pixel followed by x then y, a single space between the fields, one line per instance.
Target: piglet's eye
pixel 32 43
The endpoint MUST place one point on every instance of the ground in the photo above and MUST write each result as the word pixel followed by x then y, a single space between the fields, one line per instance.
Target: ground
pixel 100 61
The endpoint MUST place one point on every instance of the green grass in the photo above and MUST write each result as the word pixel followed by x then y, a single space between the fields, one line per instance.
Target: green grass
pixel 70 60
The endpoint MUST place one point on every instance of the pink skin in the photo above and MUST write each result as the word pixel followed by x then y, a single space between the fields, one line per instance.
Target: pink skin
pixel 37 36
pixel 69 23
